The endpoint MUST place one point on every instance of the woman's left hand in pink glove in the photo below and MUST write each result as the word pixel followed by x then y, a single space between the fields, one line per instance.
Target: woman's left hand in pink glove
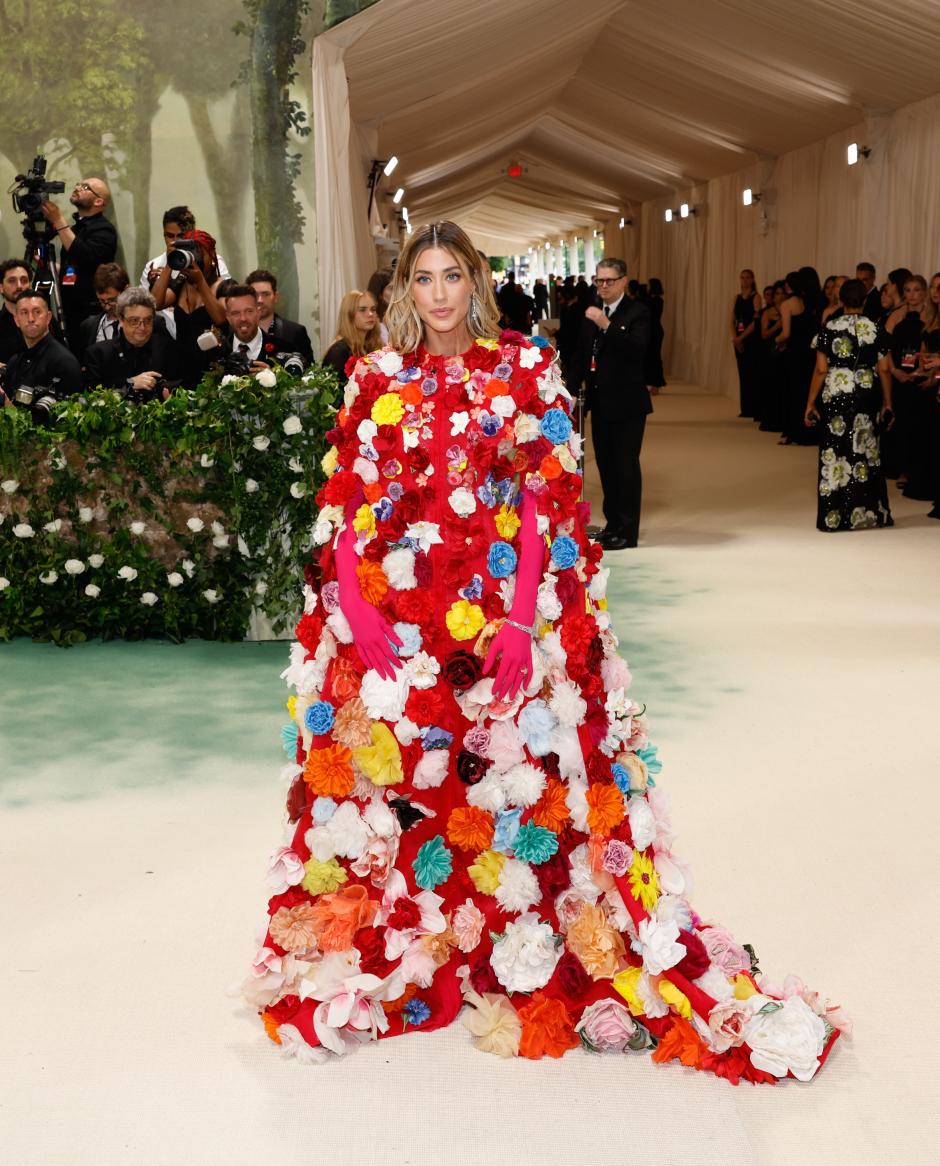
pixel 514 649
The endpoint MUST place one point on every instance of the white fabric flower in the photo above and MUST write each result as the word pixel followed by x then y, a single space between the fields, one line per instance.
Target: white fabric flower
pixel 251 486
pixel 530 356
pixel 425 534
pixel 85 514
pixel 345 834
pixel 211 595
pixel 525 958
pixel 547 602
pixel 390 362
pixel 658 939
pixel 9 486
pixel 459 422
pixel 175 579
pixel 23 530
pixel 266 378
pixel 526 428
pixel 406 731
pixel 261 442
pixel 48 577
pixel 53 527
pixel 74 566
pixel 195 524
pixel 518 888
pixel 523 785
pixel 788 1038
pixel 95 561
pixel 431 769
pixel 488 793
pixel 399 568
pixel 384 699
pixel 423 670
pixel 503 405
pixel 567 703
pixel 92 591
pixel 297 489
pixel 642 823
pixel 285 870
pixel 149 598
pixel 128 574
pixel 291 425
pixel 462 502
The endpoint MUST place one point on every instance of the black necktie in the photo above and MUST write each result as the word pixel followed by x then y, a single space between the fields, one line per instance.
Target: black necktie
pixel 243 348
pixel 607 311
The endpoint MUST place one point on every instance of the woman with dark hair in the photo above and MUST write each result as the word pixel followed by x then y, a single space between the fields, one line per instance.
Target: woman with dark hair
pixel 852 386
pixel 746 341
pixel 911 445
pixel 930 363
pixel 798 325
pixel 196 310
pixel 655 377
pixel 471 817
pixel 772 376
pixel 379 287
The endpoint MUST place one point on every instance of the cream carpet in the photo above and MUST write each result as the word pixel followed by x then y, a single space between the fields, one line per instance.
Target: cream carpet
pixel 791 678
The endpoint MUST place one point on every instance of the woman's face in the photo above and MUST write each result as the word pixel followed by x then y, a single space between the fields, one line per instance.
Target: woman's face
pixel 827 290
pixel 836 288
pixel 747 282
pixel 365 316
pixel 913 294
pixel 887 299
pixel 780 294
pixel 441 289
pixel 935 290
pixel 768 296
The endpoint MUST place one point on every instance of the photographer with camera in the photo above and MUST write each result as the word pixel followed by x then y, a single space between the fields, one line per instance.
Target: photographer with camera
pixel 110 280
pixel 244 351
pixel 139 361
pixel 86 244
pixel 42 362
pixel 14 278
pixel 287 335
pixel 177 222
pixel 187 285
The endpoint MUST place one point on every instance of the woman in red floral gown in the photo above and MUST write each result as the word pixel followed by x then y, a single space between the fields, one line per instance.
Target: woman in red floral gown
pixel 473 820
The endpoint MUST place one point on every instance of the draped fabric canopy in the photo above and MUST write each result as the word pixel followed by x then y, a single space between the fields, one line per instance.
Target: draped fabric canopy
pixel 608 107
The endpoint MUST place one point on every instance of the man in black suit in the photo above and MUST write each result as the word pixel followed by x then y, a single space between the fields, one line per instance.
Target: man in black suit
pixel 138 357
pixel 611 352
pixel 110 280
pixel 14 278
pixel 287 335
pixel 872 309
pixel 41 362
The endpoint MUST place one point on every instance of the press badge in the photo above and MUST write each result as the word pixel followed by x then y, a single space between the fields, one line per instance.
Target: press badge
pixel 69 277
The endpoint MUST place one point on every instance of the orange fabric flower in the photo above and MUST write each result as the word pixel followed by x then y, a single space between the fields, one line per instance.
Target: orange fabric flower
pixel 547 1028
pixel 550 468
pixel 372 491
pixel 470 828
pixel 551 810
pixel 294 928
pixel 605 808
pixel 373 582
pixel 345 680
pixel 496 388
pixel 390 1007
pixel 328 771
pixel 270 1027
pixel 520 460
pixel 411 393
pixel 681 1041
pixel 596 944
pixel 338 916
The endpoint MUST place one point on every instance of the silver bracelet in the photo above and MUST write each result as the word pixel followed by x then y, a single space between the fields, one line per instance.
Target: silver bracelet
pixel 521 626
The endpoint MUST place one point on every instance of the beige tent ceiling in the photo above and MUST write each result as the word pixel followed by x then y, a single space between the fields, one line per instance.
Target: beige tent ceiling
pixel 606 103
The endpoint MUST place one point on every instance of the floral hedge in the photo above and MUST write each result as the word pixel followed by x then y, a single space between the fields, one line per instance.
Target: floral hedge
pixel 174 518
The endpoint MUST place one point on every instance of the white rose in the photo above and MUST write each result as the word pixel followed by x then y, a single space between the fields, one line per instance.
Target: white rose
pixel 211 595
pixel 85 514
pixel 220 540
pixel 261 588
pixel 92 591
pixel 53 527
pixel 229 379
pixel 661 950
pixel 297 489
pixel 74 566
pixel 291 425
pixel 195 524
pixel 48 577
pixel 189 566
pixel 217 528
pixel 4 583
pixel 266 378
pixel 175 579
pixel 251 486
pixel 294 466
pixel 95 560
pixel 788 1037
pixel 261 442
pixel 129 574
pixel 148 599
pixel 23 530
pixel 9 486
pixel 525 958
pixel 206 462
pixel 462 502
pixel 138 527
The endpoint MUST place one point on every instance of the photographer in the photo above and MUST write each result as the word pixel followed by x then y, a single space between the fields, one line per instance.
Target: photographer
pixel 89 242
pixel 287 335
pixel 187 284
pixel 178 221
pixel 138 359
pixel 110 280
pixel 247 341
pixel 43 361
pixel 14 278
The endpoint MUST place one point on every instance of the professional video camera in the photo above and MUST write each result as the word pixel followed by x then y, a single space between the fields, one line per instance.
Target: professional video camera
pixel 30 190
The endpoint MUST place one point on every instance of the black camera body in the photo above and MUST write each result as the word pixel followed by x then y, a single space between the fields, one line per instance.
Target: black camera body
pixel 185 254
pixel 292 363
pixel 40 400
pixel 30 190
pixel 135 396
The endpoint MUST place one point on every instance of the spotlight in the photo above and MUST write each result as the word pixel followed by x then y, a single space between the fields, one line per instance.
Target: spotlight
pixel 749 197
pixel 548 246
pixel 668 215
pixel 390 165
pixel 684 211
pixel 623 222
pixel 398 195
pixel 855 151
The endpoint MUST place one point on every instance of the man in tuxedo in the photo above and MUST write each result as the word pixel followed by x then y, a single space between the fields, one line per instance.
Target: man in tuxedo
pixel 865 272
pixel 287 335
pixel 611 353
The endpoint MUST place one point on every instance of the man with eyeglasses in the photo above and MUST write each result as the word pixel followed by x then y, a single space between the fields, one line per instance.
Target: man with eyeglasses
pixel 139 358
pixel 110 280
pixel 610 361
pixel 85 244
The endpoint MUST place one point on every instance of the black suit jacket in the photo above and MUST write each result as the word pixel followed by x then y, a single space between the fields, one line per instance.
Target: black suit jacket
pixel 291 337
pixel 110 363
pixel 616 388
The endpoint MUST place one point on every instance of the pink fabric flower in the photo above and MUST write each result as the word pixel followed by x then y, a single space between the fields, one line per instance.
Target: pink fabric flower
pixel 606 1025
pixel 726 1021
pixel 467 924
pixel 477 740
pixel 725 952
pixel 617 857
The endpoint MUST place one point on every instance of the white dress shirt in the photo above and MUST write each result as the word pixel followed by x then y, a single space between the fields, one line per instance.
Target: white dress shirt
pixel 254 345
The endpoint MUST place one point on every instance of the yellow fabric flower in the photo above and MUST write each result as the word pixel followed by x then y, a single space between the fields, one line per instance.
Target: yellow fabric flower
pixel 323 877
pixel 465 620
pixel 743 988
pixel 484 342
pixel 507 521
pixel 365 520
pixel 485 872
pixel 644 882
pixel 388 409
pixel 381 761
pixel 678 1000
pixel 330 460
pixel 625 983
pixel 291 706
pixel 566 458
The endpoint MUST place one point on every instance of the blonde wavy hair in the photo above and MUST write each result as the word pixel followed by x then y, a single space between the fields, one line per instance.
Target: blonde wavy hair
pixel 359 343
pixel 405 329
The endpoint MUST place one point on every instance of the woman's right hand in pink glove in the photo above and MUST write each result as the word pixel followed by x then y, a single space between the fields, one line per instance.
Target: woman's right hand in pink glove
pixel 373 637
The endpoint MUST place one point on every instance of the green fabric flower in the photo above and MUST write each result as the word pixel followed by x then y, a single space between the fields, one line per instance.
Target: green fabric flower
pixel 535 843
pixel 433 864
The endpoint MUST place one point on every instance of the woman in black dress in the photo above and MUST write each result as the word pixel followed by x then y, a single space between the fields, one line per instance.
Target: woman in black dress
pixel 197 311
pixel 772 378
pixel 357 332
pixel 799 324
pixel 849 399
pixel 930 363
pixel 911 396
pixel 746 340
pixel 655 377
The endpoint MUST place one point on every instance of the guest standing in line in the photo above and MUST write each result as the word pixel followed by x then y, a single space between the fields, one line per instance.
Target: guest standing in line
pixel 849 398
pixel 772 378
pixel 910 447
pixel 798 325
pixel 655 377
pixel 744 337
pixel 357 332
pixel 611 357
pixel 930 363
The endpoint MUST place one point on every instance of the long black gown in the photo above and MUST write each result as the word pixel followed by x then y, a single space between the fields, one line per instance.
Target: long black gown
pixel 799 360
pixel 748 357
pixel 655 376
pixel 913 410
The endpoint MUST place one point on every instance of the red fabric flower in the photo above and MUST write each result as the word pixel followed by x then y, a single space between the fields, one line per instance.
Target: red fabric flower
pixel 424 706
pixel 309 629
pixel 573 980
pixel 462 669
pixel 297 798
pixel 695 962
pixel 547 1028
pixel 482 976
pixel 553 876
pixel 406 913
pixel 338 489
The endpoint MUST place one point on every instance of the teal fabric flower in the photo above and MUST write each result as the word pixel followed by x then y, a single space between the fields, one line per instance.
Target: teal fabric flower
pixel 289 740
pixel 535 843
pixel 433 864
pixel 648 755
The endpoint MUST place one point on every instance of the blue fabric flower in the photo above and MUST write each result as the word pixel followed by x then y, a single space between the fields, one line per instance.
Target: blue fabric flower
pixel 429 386
pixel 508 491
pixel 486 493
pixel 416 1011
pixel 473 590
pixel 507 827
pixel 318 718
pixel 539 341
pixel 564 551
pixel 323 810
pixel 500 560
pixel 490 423
pixel 503 371
pixel 383 509
pixel 410 636
pixel 395 491
pixel 535 843
pixel 621 777
pixel 433 864
pixel 556 426
pixel 648 755
pixel 536 722
pixel 289 740
pixel 404 375
pixel 436 738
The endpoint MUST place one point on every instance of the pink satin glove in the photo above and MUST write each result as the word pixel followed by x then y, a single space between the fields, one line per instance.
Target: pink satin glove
pixel 514 649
